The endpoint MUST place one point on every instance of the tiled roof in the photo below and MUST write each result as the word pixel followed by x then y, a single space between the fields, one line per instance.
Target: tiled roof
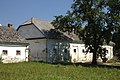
pixel 10 35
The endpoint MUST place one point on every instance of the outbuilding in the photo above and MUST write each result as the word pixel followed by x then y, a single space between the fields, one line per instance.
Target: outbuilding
pixel 13 47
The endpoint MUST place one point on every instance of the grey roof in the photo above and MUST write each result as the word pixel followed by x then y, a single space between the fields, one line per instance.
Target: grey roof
pixel 110 43
pixel 55 34
pixel 48 29
pixel 40 24
pixel 10 35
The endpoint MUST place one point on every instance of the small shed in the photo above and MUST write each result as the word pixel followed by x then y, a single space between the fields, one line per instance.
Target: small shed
pixel 13 47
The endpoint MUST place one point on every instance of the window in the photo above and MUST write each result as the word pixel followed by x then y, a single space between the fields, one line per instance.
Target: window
pixel 5 52
pixel 106 51
pixel 74 50
pixel 83 50
pixel 18 52
pixel 65 51
pixel 54 50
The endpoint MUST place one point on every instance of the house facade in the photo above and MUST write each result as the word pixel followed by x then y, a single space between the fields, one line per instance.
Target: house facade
pixel 13 47
pixel 50 45
pixel 78 53
pixel 42 39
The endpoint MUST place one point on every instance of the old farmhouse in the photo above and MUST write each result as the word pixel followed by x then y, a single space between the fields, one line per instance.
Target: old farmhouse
pixel 13 47
pixel 50 45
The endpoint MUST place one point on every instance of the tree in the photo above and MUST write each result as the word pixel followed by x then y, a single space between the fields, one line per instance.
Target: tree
pixel 114 21
pixel 91 14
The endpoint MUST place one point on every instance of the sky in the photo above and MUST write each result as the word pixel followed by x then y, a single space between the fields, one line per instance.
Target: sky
pixel 17 12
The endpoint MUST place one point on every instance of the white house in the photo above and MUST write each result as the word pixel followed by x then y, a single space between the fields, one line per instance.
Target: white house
pixel 78 53
pixel 13 47
pixel 109 51
pixel 50 45
pixel 43 39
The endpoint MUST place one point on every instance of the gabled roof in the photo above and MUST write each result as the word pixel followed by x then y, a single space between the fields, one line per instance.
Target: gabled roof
pixel 55 34
pixel 10 35
pixel 41 24
pixel 48 29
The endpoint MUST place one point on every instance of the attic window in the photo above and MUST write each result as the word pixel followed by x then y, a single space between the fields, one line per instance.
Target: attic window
pixel 5 52
pixel 18 52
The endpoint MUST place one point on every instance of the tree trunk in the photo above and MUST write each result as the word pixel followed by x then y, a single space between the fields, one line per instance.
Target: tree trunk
pixel 94 60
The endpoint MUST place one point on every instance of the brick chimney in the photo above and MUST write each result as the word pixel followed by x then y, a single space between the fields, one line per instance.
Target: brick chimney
pixel 0 25
pixel 10 26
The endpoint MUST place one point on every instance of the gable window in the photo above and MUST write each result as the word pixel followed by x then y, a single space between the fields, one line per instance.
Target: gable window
pixel 5 52
pixel 18 52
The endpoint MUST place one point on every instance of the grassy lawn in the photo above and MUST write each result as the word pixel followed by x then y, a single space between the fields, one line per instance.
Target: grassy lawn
pixel 42 71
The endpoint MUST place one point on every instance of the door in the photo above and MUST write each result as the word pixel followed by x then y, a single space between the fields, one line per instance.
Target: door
pixel 75 56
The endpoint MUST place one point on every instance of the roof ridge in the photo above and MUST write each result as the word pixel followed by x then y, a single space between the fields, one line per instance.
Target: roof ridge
pixel 32 20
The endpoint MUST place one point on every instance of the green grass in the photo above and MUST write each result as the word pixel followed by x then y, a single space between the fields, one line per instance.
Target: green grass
pixel 42 71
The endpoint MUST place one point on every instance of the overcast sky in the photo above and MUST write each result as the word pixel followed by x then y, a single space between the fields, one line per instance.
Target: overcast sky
pixel 17 12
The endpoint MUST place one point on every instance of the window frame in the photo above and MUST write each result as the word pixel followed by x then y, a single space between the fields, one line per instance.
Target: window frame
pixel 65 50
pixel 18 52
pixel 4 52
pixel 74 50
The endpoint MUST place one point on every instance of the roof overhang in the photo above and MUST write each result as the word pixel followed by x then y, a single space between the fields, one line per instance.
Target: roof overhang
pixel 14 43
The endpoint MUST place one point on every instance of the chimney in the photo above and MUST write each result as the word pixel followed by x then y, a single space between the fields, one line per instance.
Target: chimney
pixel 10 26
pixel 0 25
pixel 73 31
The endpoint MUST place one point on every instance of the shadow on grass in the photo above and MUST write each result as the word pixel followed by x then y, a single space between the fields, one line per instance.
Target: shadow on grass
pixel 101 65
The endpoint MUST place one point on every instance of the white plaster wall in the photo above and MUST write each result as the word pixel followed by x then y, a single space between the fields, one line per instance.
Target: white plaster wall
pixel 52 44
pixel 74 56
pixel 38 49
pixel 60 46
pixel 11 56
pixel 80 55
pixel 110 51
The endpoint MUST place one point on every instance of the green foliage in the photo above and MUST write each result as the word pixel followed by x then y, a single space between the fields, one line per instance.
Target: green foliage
pixel 114 19
pixel 41 71
pixel 96 31
pixel 100 19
